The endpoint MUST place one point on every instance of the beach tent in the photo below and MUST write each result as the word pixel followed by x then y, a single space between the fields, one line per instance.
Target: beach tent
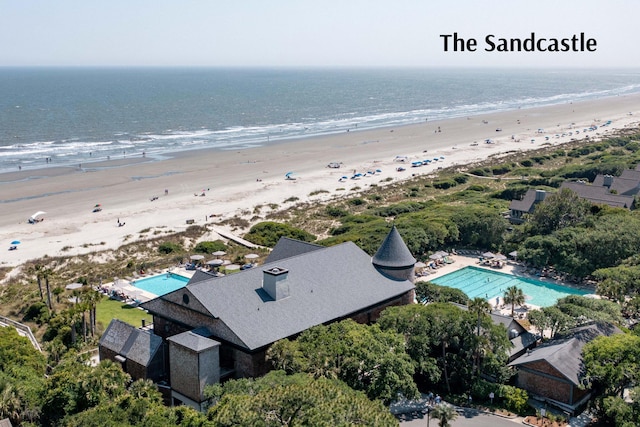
pixel 34 218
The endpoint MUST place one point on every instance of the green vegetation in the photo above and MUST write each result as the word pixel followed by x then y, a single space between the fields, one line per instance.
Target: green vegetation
pixel 109 309
pixel 210 247
pixel 268 233
pixel 298 399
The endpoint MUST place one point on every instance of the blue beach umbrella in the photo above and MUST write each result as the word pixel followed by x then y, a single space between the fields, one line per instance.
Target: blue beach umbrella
pixel 15 242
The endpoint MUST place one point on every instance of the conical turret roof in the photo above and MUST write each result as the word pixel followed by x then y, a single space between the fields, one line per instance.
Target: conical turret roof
pixel 393 252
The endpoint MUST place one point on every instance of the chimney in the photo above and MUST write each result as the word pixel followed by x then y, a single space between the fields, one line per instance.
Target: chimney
pixel 274 282
pixel 540 194
pixel 608 180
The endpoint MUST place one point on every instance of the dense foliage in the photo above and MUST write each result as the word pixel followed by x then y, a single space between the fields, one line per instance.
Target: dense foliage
pixel 444 346
pixel 268 233
pixel 364 357
pixel 278 399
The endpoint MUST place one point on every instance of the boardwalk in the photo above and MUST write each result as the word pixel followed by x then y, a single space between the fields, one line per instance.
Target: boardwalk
pixel 239 240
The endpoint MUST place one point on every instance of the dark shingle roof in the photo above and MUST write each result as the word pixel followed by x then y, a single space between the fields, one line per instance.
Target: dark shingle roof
pixel 393 252
pixel 599 195
pixel 130 342
pixel 565 352
pixel 324 285
pixel 193 341
pixel 286 248
pixel 528 200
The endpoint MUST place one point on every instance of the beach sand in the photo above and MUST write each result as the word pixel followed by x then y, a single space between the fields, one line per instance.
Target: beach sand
pixel 234 182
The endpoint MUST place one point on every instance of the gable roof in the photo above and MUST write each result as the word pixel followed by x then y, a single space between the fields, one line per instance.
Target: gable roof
pixel 599 195
pixel 287 247
pixel 393 252
pixel 565 352
pixel 528 201
pixel 326 284
pixel 130 342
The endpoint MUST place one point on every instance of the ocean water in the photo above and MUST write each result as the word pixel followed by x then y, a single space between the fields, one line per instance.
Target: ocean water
pixel 58 116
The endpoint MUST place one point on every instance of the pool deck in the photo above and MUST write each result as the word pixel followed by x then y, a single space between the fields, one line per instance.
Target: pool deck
pixel 510 267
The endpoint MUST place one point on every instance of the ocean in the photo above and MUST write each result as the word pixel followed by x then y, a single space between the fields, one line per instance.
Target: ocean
pixel 66 116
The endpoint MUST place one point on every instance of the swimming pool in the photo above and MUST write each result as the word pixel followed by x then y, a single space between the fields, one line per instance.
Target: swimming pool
pixel 162 284
pixel 480 282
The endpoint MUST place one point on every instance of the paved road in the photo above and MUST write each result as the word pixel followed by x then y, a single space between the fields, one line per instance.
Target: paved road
pixel 469 418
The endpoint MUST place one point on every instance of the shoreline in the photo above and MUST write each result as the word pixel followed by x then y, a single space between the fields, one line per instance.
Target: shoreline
pixel 234 182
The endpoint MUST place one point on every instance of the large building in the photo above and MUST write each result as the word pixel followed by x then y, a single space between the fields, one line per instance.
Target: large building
pixel 221 327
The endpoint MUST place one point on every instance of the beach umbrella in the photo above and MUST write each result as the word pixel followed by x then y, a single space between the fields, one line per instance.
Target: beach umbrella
pixel 420 264
pixel 226 262
pixel 197 257
pixel 488 255
pixel 15 242
pixel 252 256
pixel 499 257
pixel 215 262
pixel 219 253
pixel 288 174
pixel 97 205
pixel 232 267
pixel 435 256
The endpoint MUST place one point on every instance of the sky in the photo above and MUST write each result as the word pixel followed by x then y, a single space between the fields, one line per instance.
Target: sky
pixel 304 33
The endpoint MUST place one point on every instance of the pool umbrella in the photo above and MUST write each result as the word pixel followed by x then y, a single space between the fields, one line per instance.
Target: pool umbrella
pixel 252 256
pixel 514 254
pixel 197 257
pixel 232 267
pixel 215 262
pixel 488 255
pixel 97 205
pixel 219 253
pixel 15 242
pixel 499 257
pixel 420 264
pixel 435 256
pixel 73 286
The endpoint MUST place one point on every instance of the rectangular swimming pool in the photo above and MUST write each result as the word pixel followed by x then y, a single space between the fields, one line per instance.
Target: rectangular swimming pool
pixel 488 284
pixel 161 284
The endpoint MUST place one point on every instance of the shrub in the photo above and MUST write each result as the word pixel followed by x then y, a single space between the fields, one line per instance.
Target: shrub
pixel 37 312
pixel 335 212
pixel 461 179
pixel 169 247
pixel 357 201
pixel 515 399
pixel 444 184
pixel 526 163
pixel 268 233
pixel 210 247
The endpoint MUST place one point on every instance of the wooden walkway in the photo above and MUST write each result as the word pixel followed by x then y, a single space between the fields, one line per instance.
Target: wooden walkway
pixel 239 240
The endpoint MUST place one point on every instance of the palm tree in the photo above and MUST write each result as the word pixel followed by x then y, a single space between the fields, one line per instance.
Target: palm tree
pixel 47 273
pixel 480 307
pixel 38 271
pixel 514 296
pixel 444 413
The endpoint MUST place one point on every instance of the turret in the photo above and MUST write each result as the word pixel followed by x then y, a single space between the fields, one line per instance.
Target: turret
pixel 393 258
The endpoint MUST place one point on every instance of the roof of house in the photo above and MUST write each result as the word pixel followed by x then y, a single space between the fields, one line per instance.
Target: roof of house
pixel 287 247
pixel 193 341
pixel 564 353
pixel 393 252
pixel 528 201
pixel 130 342
pixel 325 284
pixel 599 195
pixel 627 184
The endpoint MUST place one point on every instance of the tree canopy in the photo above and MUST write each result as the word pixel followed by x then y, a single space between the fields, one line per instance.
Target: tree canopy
pixel 364 357
pixel 279 399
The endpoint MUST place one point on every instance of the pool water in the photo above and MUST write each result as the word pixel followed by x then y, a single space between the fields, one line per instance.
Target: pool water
pixel 488 284
pixel 162 284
